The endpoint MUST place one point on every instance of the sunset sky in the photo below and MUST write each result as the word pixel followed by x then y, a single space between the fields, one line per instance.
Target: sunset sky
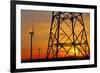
pixel 40 21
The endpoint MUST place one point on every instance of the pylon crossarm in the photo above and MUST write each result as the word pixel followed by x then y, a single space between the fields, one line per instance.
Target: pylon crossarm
pixel 66 17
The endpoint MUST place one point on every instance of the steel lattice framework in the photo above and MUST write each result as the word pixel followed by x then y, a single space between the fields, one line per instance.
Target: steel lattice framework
pixel 68 37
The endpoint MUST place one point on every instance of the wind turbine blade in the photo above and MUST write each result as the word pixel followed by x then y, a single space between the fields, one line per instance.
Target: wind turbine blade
pixel 33 30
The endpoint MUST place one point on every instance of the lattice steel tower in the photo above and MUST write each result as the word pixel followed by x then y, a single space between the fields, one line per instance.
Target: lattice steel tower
pixel 68 37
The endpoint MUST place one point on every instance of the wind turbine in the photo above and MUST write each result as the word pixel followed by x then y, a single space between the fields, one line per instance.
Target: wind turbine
pixel 32 36
pixel 39 52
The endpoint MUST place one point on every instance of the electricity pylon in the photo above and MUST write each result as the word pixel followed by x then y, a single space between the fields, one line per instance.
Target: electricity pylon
pixel 68 37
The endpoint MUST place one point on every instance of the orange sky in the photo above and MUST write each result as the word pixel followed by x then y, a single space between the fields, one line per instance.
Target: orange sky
pixel 40 20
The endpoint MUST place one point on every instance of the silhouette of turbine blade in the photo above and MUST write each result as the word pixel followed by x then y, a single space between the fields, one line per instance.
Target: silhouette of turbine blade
pixel 33 30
